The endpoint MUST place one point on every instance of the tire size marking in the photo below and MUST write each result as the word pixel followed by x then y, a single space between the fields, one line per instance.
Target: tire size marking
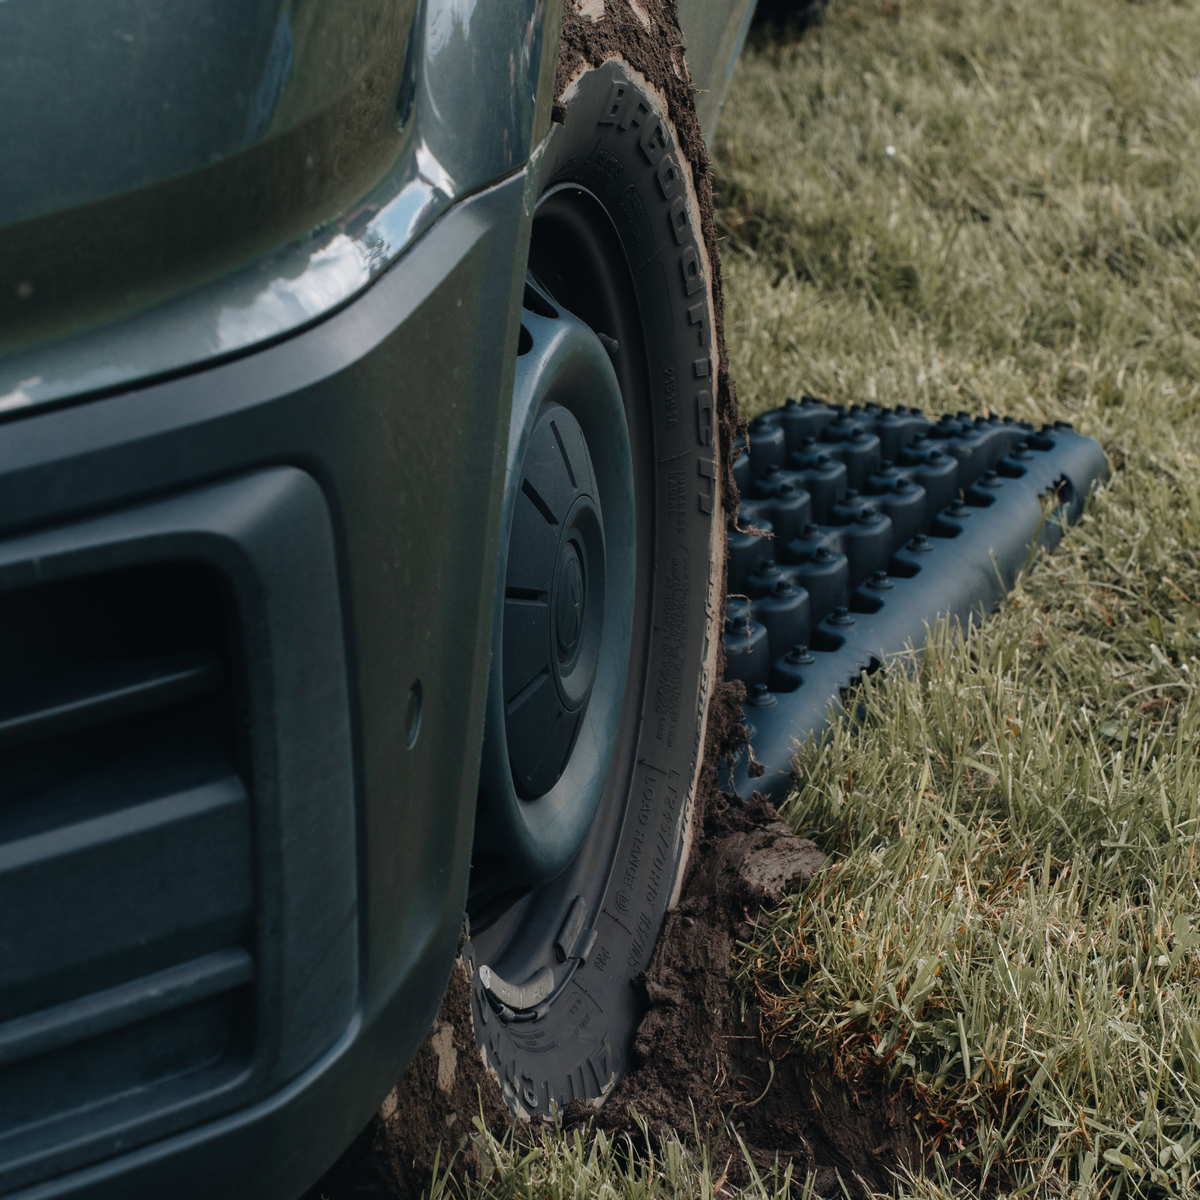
pixel 637 948
pixel 656 785
pixel 664 849
pixel 651 846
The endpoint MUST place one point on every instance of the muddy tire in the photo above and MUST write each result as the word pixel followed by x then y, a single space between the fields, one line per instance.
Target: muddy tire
pixel 579 852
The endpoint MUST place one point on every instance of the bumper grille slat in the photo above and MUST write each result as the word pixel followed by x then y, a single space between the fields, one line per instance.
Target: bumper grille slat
pixel 93 696
pixel 126 848
pixel 178 875
pixel 102 1012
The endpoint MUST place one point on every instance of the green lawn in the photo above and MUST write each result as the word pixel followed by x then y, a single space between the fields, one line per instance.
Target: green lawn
pixel 996 207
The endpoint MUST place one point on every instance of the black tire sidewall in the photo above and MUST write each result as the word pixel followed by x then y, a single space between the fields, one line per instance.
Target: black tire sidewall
pixel 634 168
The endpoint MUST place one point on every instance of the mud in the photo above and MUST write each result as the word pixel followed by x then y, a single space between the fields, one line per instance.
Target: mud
pixel 696 1069
pixel 699 1068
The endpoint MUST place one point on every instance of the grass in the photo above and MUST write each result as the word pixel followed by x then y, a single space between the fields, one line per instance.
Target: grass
pixel 1010 932
pixel 597 1166
pixel 995 206
pixel 1028 247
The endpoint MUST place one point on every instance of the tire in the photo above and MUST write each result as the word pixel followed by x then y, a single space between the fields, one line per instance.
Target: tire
pixel 574 868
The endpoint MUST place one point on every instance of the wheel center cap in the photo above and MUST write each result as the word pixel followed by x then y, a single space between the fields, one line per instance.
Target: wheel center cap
pixel 569 598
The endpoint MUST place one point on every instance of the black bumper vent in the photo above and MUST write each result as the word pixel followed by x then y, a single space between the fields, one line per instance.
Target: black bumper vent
pixel 126 885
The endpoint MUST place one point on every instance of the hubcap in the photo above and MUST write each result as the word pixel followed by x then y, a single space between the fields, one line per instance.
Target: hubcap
pixel 564 613
pixel 568 606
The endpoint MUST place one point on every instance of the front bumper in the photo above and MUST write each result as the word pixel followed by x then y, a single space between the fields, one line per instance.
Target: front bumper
pixel 230 953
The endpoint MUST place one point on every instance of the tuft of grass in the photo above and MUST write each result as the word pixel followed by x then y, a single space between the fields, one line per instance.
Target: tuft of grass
pixel 550 1164
pixel 1010 932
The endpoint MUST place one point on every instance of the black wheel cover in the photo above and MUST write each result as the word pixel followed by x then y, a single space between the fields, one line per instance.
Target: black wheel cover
pixel 556 694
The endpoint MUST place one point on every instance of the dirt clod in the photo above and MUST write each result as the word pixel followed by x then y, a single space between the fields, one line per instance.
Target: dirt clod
pixel 761 866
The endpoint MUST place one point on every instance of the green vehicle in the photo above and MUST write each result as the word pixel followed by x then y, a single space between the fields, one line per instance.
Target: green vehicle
pixel 361 559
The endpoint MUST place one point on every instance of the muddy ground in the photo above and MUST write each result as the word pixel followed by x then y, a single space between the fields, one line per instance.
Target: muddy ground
pixel 693 1055
pixel 693 1067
